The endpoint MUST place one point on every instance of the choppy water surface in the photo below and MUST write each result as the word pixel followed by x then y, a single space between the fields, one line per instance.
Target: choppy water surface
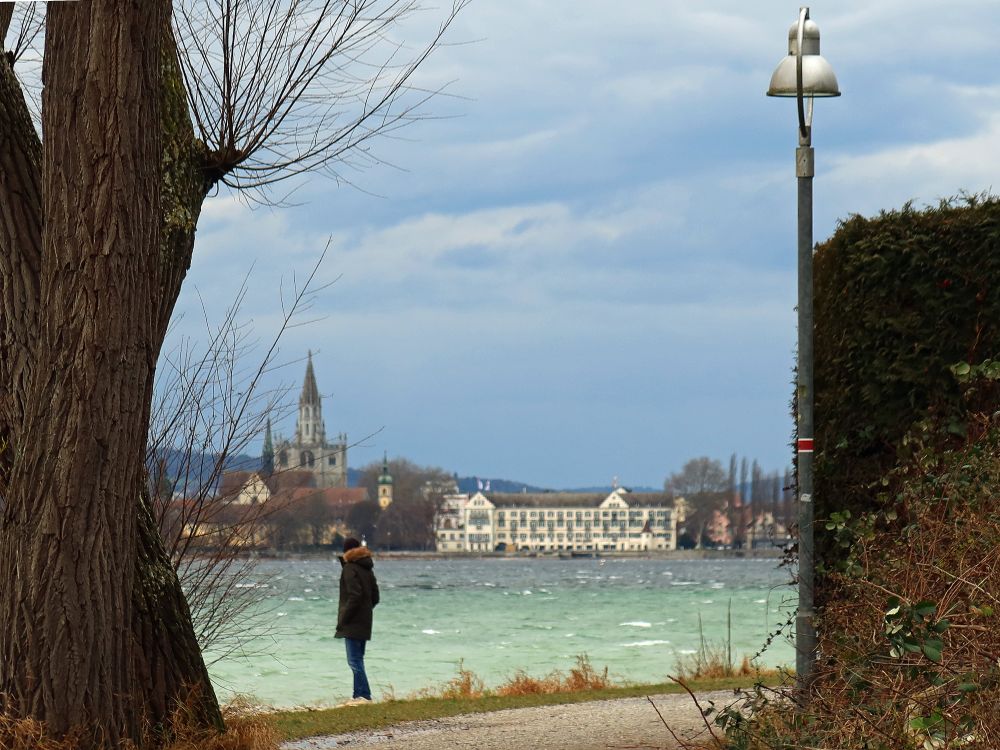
pixel 497 615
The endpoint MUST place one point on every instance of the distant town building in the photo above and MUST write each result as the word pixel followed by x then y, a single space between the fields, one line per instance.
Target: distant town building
pixel 309 450
pixel 766 531
pixel 742 527
pixel 253 510
pixel 621 521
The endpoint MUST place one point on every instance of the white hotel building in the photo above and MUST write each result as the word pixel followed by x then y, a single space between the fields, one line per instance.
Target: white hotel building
pixel 621 521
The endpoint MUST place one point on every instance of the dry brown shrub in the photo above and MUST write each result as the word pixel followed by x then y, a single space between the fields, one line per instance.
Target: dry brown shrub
pixel 584 677
pixel 712 662
pixel 909 640
pixel 580 678
pixel 241 734
pixel 464 685
pixel 524 684
pixel 244 731
pixel 29 734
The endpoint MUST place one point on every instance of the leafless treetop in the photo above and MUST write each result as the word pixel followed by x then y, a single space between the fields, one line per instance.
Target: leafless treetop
pixel 281 87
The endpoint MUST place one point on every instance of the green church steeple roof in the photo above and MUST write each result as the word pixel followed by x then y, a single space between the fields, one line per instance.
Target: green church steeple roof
pixel 385 477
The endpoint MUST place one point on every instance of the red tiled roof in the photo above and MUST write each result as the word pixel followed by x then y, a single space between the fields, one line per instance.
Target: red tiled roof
pixel 340 498
pixel 234 481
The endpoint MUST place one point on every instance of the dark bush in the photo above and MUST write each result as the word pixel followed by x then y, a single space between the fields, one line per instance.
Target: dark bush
pixel 907 368
pixel 900 299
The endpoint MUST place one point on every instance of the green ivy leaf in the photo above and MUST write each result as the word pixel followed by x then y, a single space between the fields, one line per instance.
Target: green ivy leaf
pixel 932 648
pixel 961 369
pixel 919 723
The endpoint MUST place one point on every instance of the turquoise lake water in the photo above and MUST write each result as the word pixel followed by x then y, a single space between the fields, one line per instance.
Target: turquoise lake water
pixel 637 617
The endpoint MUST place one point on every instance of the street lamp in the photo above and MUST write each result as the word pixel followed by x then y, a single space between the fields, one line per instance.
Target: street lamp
pixel 804 73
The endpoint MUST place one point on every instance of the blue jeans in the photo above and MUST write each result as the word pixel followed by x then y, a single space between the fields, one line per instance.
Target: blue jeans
pixel 356 661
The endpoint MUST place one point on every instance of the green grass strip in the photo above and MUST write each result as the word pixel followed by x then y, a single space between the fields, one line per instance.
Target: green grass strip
pixel 299 724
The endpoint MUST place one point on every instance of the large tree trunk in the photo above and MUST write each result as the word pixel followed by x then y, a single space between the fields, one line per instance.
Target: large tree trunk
pixel 20 254
pixel 68 542
pixel 168 667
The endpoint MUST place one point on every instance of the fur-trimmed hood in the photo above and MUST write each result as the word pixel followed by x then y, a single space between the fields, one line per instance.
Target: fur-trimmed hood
pixel 361 555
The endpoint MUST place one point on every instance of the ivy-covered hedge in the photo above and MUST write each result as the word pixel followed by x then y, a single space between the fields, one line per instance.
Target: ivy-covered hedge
pixel 900 299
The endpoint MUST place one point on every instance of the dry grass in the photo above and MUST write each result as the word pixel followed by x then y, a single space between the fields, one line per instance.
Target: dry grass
pixel 466 684
pixel 243 732
pixel 711 662
pixel 28 734
pixel 714 660
pixel 909 639
pixel 580 678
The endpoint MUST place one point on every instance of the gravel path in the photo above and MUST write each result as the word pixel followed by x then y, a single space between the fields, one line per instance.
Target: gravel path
pixel 625 724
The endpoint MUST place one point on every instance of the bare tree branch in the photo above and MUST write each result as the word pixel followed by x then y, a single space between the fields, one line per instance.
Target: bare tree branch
pixel 282 87
pixel 209 407
pixel 30 23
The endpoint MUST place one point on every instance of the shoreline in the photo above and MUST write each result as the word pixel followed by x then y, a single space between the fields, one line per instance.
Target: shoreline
pixel 681 555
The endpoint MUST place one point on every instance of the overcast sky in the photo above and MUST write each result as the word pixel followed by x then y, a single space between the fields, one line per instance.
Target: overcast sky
pixel 586 267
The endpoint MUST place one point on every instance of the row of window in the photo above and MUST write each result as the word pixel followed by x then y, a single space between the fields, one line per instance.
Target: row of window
pixel 586 536
pixel 613 514
pixel 569 523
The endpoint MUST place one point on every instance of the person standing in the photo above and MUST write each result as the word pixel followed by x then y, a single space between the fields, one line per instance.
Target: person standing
pixel 358 597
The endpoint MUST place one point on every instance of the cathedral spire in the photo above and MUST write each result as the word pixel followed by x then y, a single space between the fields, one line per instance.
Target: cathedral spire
pixel 308 451
pixel 310 430
pixel 310 393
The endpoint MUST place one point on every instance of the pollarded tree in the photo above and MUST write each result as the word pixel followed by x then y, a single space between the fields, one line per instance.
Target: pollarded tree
pixel 97 230
pixel 81 249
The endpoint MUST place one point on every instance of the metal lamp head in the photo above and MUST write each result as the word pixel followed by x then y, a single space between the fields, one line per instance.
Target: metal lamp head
pixel 818 78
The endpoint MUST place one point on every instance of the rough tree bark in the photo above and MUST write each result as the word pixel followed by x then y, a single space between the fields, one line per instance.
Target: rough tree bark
pixel 168 667
pixel 20 251
pixel 91 617
pixel 6 14
pixel 97 230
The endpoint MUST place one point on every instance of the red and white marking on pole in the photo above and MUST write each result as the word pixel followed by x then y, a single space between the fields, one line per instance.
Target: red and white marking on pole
pixel 805 445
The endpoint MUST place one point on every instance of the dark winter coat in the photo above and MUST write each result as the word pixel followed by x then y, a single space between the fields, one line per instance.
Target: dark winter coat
pixel 358 595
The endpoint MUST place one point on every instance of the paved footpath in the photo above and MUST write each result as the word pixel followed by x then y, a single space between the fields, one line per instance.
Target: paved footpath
pixel 624 724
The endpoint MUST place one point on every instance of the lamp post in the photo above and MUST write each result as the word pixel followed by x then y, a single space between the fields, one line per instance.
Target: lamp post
pixel 803 74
